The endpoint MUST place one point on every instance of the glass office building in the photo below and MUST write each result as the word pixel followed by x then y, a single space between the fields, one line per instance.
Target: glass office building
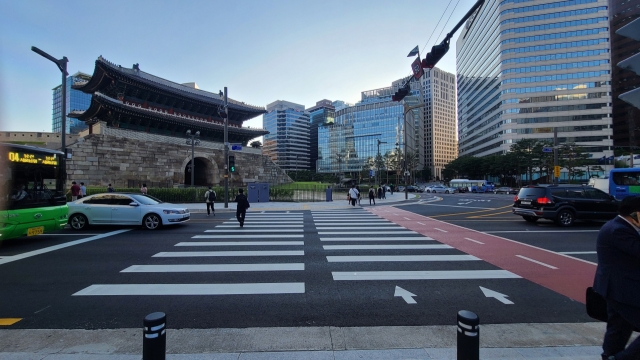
pixel 525 67
pixel 323 114
pixel 76 100
pixel 287 143
pixel 351 143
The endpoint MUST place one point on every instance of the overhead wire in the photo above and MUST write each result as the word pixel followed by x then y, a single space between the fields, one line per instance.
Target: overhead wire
pixel 445 24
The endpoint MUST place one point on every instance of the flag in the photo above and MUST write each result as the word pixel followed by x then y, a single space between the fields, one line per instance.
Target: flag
pixel 416 67
pixel 414 52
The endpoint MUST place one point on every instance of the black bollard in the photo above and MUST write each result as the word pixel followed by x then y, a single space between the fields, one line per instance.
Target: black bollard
pixel 468 336
pixel 154 338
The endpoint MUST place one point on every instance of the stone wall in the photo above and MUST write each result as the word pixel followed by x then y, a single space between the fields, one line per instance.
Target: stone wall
pixel 100 159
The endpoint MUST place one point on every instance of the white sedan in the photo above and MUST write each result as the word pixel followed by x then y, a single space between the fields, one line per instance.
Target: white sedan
pixel 124 209
pixel 442 189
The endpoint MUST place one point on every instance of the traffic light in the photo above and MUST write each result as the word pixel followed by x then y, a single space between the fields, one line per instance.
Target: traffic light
pixel 436 53
pixel 232 163
pixel 401 93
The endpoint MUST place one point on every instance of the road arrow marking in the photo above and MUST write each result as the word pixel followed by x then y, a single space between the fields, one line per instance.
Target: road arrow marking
pixel 494 294
pixel 407 296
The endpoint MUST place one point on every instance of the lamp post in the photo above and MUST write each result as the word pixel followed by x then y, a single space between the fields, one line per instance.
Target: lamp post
pixel 62 65
pixel 378 158
pixel 226 149
pixel 193 140
pixel 404 125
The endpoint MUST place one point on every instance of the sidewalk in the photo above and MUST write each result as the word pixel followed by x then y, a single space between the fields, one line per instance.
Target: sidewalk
pixel 577 341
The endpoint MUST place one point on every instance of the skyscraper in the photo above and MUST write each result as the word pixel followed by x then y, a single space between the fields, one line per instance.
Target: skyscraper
pixel 526 67
pixel 322 114
pixel 287 143
pixel 76 100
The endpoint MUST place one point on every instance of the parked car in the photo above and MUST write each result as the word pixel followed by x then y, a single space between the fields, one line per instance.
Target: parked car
pixel 564 204
pixel 400 188
pixel 443 189
pixel 124 209
pixel 506 190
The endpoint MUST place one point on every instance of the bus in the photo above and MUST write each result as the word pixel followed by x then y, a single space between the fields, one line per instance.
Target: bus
pixel 624 182
pixel 476 186
pixel 33 199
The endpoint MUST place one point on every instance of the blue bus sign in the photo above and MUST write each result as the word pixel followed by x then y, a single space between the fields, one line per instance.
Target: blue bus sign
pixel 236 147
pixel 547 149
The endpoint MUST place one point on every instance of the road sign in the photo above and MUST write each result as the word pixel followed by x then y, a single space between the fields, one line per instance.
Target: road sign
pixel 370 173
pixel 556 171
pixel 236 147
pixel 547 149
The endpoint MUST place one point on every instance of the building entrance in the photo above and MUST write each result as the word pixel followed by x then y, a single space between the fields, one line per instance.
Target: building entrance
pixel 200 176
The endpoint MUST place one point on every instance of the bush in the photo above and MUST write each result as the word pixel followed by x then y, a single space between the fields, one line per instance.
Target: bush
pixel 174 195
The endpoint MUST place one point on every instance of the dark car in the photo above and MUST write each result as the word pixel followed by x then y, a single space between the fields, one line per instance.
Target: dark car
pixel 564 204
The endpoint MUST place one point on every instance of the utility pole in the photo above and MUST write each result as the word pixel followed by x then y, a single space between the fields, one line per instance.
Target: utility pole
pixel 226 150
pixel 555 154
pixel 377 161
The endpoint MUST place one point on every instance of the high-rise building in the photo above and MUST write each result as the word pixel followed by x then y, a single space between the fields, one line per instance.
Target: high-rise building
pixel 287 143
pixel 322 114
pixel 339 104
pixel 439 133
pixel 626 117
pixel 76 100
pixel 526 67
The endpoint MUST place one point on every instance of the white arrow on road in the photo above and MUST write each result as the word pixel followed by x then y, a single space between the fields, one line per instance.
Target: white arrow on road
pixel 407 296
pixel 494 294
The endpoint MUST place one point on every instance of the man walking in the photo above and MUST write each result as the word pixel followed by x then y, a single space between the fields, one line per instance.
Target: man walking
pixel 74 190
pixel 372 195
pixel 618 280
pixel 353 195
pixel 83 190
pixel 210 198
pixel 242 204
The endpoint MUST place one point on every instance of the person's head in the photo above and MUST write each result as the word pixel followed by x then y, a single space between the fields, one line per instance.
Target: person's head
pixel 81 183
pixel 73 182
pixel 209 187
pixel 144 185
pixel 109 185
pixel 240 191
pixel 629 205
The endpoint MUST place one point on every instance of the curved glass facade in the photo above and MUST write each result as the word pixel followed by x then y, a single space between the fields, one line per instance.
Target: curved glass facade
pixel 76 100
pixel 493 111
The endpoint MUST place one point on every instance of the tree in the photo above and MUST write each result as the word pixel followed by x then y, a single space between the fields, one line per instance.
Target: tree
pixel 256 144
pixel 572 157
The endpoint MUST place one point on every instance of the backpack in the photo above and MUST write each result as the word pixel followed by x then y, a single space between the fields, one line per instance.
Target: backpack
pixel 210 195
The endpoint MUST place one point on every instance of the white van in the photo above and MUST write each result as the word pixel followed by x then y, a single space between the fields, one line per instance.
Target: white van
pixel 600 184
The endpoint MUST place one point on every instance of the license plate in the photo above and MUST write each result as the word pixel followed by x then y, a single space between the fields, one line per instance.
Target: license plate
pixel 523 202
pixel 35 231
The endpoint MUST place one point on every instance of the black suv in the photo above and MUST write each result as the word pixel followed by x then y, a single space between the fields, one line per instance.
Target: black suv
pixel 564 203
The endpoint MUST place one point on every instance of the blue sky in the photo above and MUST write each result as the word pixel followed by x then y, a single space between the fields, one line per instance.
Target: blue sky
pixel 262 50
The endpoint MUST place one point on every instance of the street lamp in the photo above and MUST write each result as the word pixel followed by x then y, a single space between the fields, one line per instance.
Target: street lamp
pixel 378 158
pixel 62 65
pixel 193 140
pixel 404 119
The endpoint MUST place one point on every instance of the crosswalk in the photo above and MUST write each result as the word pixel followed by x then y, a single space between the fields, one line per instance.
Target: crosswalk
pixel 224 250
pixel 366 242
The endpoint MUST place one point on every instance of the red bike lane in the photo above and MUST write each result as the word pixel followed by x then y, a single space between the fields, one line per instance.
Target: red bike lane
pixel 563 274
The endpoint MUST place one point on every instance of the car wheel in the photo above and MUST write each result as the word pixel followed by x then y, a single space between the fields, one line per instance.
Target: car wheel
pixel 428 191
pixel 530 219
pixel 565 218
pixel 151 221
pixel 446 191
pixel 78 221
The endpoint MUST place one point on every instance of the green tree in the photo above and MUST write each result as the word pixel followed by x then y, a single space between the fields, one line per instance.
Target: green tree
pixel 256 144
pixel 572 157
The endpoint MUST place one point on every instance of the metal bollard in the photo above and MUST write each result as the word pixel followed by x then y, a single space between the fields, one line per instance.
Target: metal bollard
pixel 468 336
pixel 154 339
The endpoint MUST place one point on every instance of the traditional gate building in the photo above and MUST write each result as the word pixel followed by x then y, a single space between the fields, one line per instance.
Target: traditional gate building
pixel 137 124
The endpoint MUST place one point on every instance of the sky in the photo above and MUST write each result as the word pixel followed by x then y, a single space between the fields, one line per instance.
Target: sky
pixel 301 51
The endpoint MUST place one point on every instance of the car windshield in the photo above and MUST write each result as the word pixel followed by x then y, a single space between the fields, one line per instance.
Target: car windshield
pixel 146 199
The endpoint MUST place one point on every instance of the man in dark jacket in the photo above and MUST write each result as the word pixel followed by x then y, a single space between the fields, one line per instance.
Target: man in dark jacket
pixel 618 280
pixel 242 206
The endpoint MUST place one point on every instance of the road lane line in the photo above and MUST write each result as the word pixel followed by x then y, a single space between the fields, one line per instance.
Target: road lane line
pixel 192 289
pixel 385 258
pixel 441 230
pixel 366 232
pixel 212 268
pixel 475 241
pixel 487 215
pixel 384 247
pixel 240 243
pixel 247 236
pixel 257 230
pixel 577 252
pixel 424 275
pixel 369 227
pixel 228 253
pixel 389 238
pixel 359 220
pixel 537 231
pixel 262 226
pixel 267 222
pixel 421 223
pixel 9 321
pixel 406 218
pixel 537 262
pixel 58 247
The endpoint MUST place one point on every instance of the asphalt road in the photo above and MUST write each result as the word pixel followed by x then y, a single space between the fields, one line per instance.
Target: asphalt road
pixel 304 268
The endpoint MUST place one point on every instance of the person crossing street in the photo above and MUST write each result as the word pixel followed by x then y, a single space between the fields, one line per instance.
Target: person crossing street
pixel 353 195
pixel 242 204
pixel 210 199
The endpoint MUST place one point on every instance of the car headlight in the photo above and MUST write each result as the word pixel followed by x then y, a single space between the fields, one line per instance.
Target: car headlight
pixel 174 211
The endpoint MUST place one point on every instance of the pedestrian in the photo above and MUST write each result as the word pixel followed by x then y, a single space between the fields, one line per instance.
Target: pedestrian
pixel 359 196
pixel 210 198
pixel 242 204
pixel 110 188
pixel 74 190
pixel 83 190
pixel 618 280
pixel 353 195
pixel 379 192
pixel 391 189
pixel 144 189
pixel 372 196
pixel 384 191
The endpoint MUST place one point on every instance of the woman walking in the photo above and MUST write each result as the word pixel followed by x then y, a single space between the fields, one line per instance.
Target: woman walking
pixel 372 195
